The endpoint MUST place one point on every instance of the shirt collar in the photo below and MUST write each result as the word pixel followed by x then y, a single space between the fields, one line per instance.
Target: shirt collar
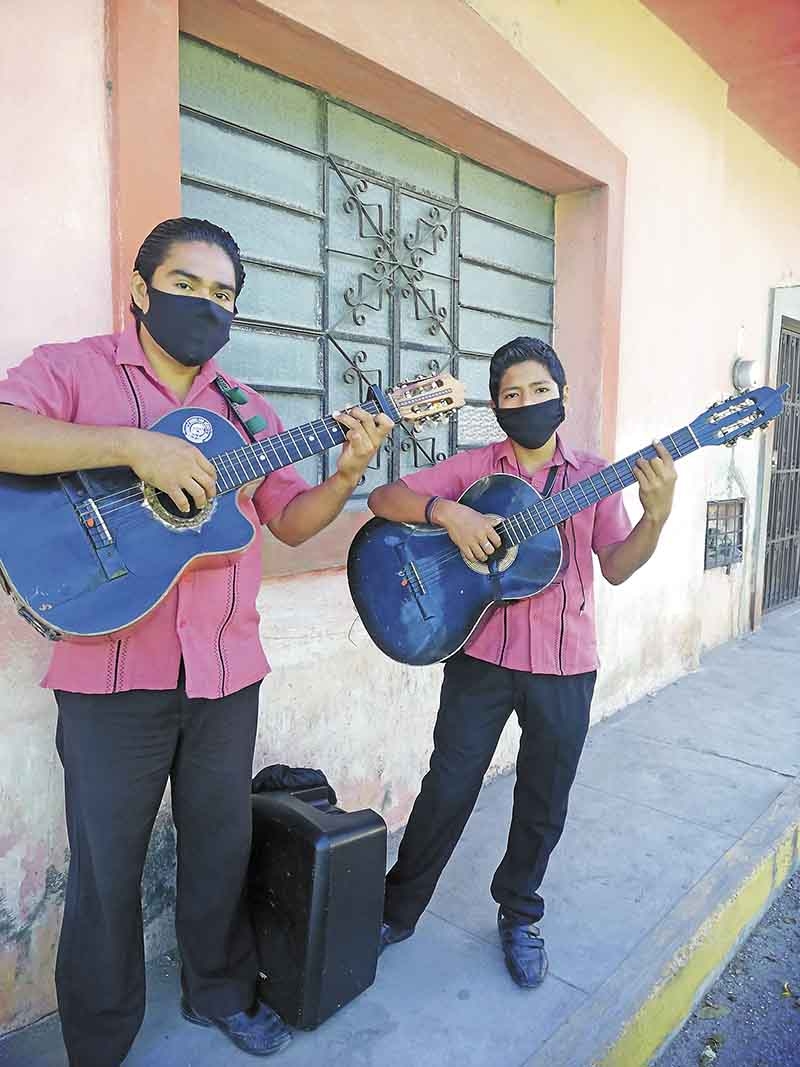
pixel 128 348
pixel 563 453
pixel 566 451
pixel 130 352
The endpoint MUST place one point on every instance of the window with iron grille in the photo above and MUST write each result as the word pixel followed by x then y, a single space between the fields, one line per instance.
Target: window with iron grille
pixel 370 252
pixel 724 533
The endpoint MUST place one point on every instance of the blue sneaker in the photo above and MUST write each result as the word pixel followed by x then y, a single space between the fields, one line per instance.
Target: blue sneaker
pixel 523 948
pixel 259 1031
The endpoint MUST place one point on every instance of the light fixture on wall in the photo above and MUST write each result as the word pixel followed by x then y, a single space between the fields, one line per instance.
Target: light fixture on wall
pixel 745 374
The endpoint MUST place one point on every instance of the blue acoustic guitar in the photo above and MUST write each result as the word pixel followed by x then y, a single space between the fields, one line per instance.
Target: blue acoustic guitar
pixel 87 554
pixel 420 599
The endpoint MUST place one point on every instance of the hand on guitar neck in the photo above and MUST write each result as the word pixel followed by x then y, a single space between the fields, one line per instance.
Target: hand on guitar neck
pixel 432 598
pixel 656 478
pixel 35 445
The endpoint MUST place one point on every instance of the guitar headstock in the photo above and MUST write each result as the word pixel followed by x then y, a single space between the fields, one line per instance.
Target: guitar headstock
pixel 431 399
pixel 738 416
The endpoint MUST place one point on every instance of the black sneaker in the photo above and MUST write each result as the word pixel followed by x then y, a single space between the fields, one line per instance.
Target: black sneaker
pixel 391 934
pixel 523 948
pixel 259 1031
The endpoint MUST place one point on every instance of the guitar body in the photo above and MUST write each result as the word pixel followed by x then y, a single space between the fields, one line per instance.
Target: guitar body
pixel 68 581
pixel 89 554
pixel 420 600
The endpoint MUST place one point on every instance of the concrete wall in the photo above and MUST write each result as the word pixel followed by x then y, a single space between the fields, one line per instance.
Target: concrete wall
pixel 710 227
pixel 55 236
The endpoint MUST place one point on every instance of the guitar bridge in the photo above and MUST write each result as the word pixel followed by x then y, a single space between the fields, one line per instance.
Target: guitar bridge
pixel 411 580
pixel 89 515
pixel 94 524
pixel 410 577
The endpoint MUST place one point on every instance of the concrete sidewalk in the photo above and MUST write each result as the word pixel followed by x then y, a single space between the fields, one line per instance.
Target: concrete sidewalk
pixel 684 822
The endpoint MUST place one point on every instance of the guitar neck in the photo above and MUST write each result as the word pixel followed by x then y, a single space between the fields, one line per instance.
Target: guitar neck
pixel 247 464
pixel 552 510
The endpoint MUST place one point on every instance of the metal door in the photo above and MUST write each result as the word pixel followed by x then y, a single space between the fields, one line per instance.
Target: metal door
pixel 782 573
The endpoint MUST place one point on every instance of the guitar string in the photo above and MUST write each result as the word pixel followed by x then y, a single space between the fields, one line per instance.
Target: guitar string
pixel 242 453
pixel 113 502
pixel 133 495
pixel 432 566
pixel 548 505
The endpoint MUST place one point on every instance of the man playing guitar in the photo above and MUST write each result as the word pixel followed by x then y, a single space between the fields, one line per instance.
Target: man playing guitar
pixel 175 698
pixel 536 656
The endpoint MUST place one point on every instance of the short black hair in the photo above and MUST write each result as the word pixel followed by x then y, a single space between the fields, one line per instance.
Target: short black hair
pixel 520 350
pixel 155 247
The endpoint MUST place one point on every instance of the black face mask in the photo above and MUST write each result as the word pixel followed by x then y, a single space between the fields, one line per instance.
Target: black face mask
pixel 190 328
pixel 532 425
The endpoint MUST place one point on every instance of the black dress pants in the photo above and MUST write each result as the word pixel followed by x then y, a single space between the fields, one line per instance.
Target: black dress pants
pixel 476 701
pixel 118 752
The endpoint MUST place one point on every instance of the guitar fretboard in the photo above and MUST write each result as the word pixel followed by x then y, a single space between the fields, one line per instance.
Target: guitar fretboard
pixel 247 464
pixel 552 510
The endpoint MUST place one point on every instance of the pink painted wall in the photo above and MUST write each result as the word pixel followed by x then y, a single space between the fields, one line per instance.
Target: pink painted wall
pixel 722 231
pixel 55 285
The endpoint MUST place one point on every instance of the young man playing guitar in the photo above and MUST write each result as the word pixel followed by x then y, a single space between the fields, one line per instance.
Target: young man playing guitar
pixel 537 656
pixel 177 696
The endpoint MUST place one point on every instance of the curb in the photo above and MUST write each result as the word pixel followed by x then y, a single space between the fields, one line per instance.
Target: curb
pixel 632 1016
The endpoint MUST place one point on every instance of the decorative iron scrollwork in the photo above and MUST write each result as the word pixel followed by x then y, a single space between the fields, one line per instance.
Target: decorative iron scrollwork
pixel 357 299
pixel 424 309
pixel 433 231
pixel 367 225
pixel 394 269
pixel 425 240
pixel 351 375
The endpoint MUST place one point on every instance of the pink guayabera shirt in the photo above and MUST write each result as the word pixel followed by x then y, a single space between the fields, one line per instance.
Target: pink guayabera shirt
pixel 554 632
pixel 209 618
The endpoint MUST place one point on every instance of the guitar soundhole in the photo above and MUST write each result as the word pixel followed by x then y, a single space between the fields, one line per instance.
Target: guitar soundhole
pixel 497 557
pixel 500 560
pixel 168 505
pixel 167 511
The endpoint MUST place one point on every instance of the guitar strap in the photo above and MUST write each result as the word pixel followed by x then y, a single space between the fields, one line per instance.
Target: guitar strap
pixel 548 485
pixel 236 398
